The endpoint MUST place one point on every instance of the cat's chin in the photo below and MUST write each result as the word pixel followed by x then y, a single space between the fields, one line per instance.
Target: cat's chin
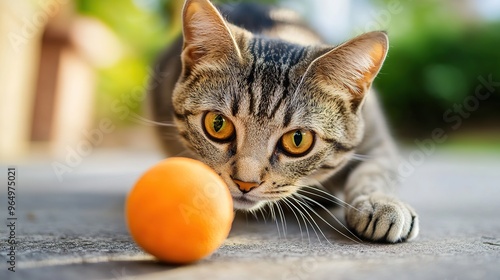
pixel 242 203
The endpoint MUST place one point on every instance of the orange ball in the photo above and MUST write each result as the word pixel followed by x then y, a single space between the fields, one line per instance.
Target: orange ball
pixel 180 211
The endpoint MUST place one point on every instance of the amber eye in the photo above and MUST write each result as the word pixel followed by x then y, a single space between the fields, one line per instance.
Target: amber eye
pixel 218 127
pixel 297 142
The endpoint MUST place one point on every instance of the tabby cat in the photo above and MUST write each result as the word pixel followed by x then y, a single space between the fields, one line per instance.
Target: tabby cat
pixel 262 100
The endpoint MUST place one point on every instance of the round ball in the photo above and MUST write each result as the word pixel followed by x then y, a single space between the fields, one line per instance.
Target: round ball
pixel 179 211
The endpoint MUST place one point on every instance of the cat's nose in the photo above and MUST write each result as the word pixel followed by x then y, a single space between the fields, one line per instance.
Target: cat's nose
pixel 245 186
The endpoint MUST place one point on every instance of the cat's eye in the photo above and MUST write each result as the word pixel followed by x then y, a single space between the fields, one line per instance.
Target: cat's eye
pixel 297 142
pixel 218 127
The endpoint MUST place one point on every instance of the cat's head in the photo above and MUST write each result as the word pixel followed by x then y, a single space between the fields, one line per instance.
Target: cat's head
pixel 264 113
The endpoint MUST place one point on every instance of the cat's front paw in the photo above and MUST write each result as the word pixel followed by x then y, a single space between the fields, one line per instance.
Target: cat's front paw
pixel 382 218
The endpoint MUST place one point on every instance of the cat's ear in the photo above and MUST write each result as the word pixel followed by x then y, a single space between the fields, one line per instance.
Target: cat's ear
pixel 353 65
pixel 207 36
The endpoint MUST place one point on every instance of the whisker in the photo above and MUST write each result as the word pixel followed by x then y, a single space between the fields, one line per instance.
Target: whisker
pixel 253 214
pixel 287 203
pixel 318 185
pixel 183 152
pixel 271 211
pixel 333 199
pixel 329 197
pixel 141 120
pixel 360 157
pixel 304 218
pixel 282 217
pixel 273 215
pixel 310 220
pixel 333 216
pixel 300 198
pixel 323 197
pixel 263 216
pixel 319 216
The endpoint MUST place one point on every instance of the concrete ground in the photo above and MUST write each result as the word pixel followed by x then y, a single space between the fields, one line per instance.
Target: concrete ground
pixel 74 229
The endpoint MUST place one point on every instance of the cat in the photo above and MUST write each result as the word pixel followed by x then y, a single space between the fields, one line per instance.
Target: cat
pixel 256 95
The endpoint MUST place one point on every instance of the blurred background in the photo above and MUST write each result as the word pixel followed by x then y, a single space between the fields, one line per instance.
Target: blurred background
pixel 74 72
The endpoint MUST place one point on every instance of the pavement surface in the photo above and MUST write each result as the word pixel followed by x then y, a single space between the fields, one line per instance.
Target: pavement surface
pixel 74 228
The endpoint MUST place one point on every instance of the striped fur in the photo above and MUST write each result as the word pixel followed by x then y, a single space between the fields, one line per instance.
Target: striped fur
pixel 268 82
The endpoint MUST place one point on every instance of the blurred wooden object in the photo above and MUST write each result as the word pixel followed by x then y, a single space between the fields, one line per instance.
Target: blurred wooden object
pixel 89 45
pixel 48 75
pixel 53 44
pixel 19 50
pixel 65 86
pixel 73 107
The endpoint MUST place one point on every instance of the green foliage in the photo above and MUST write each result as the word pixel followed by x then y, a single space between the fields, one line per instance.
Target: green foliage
pixel 434 62
pixel 142 31
pixel 144 27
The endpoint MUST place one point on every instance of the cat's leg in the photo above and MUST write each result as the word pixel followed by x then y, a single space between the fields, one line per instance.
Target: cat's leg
pixel 370 187
pixel 378 215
